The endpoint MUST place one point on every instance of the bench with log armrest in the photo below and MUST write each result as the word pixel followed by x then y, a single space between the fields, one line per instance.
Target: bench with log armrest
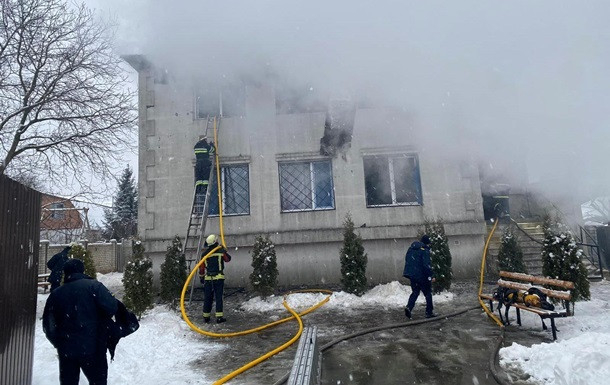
pixel 42 281
pixel 523 282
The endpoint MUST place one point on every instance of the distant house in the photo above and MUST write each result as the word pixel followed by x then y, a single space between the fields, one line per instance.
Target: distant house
pixel 293 170
pixel 61 222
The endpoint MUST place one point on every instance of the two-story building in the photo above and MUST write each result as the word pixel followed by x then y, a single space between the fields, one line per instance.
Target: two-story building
pixel 294 171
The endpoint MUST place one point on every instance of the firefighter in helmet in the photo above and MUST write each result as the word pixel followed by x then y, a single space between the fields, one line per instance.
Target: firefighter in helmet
pixel 211 274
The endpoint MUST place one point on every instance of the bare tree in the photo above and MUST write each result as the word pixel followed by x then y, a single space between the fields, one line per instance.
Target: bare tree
pixel 64 105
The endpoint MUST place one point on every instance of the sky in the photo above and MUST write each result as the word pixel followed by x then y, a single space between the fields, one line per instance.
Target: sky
pixel 155 352
pixel 522 80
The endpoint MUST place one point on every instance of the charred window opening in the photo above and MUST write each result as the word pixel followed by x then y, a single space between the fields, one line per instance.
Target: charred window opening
pixel 235 183
pixel 338 127
pixel 306 186
pixel 392 180
pixel 227 101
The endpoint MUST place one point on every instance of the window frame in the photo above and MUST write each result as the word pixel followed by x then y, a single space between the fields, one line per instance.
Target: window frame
pixel 310 162
pixel 223 190
pixel 56 212
pixel 390 157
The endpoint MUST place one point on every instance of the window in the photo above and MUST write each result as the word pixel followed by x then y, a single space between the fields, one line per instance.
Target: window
pixel 306 186
pixel 57 211
pixel 230 100
pixel 235 191
pixel 392 180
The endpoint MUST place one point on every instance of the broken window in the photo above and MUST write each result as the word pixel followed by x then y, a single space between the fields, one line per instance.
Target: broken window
pixel 235 182
pixel 392 180
pixel 227 101
pixel 306 186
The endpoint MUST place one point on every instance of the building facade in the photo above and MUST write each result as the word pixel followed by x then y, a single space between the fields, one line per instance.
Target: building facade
pixel 280 179
pixel 61 221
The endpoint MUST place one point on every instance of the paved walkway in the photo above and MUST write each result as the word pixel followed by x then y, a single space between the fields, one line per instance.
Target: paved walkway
pixel 450 351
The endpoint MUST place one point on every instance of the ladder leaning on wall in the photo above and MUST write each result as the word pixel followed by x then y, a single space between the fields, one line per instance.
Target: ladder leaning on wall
pixel 198 216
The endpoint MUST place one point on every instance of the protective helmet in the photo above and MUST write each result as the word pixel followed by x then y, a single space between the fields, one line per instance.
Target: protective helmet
pixel 211 239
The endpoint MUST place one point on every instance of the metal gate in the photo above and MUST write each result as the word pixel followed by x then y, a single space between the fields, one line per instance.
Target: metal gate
pixel 19 238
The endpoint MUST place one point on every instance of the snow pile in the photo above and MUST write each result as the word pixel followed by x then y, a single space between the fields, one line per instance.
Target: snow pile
pixel 582 353
pixel 393 294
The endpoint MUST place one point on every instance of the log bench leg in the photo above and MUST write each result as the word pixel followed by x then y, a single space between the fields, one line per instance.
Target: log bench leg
pixel 553 328
pixel 543 324
pixel 518 316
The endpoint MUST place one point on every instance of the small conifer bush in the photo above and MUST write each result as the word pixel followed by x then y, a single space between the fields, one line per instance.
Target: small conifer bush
pixel 138 281
pixel 561 258
pixel 510 255
pixel 353 260
pixel 173 272
pixel 440 256
pixel 264 263
pixel 78 251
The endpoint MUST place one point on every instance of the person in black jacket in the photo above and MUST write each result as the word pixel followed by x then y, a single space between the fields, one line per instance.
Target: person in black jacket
pixel 419 271
pixel 75 320
pixel 56 265
pixel 212 276
pixel 204 151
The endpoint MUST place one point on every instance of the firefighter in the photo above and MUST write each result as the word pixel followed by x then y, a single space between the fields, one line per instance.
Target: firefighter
pixel 203 153
pixel 211 274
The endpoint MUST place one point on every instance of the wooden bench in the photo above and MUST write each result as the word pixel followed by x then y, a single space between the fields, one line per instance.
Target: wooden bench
pixel 42 281
pixel 520 281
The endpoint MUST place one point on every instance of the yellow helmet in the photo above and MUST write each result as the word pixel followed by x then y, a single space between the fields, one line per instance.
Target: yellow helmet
pixel 211 239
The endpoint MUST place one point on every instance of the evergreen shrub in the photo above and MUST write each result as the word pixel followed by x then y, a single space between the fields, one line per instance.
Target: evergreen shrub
pixel 138 281
pixel 264 263
pixel 561 258
pixel 173 272
pixel 353 260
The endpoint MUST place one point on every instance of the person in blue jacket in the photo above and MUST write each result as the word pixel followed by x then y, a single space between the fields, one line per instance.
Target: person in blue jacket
pixel 419 271
pixel 75 320
pixel 56 264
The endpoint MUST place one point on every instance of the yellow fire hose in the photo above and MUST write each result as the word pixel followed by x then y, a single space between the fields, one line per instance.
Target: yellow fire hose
pixel 294 315
pixel 489 313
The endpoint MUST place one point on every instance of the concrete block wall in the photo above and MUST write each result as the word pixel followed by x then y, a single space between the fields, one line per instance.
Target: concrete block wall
pixel 106 256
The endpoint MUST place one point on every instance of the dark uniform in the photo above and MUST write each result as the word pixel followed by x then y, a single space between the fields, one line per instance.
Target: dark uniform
pixel 56 264
pixel 75 321
pixel 419 270
pixel 203 153
pixel 212 276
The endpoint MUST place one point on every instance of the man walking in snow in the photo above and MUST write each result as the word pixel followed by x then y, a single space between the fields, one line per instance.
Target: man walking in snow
pixel 418 269
pixel 75 321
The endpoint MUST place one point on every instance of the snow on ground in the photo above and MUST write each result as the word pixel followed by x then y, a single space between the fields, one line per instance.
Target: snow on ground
pixel 160 352
pixel 390 295
pixel 581 355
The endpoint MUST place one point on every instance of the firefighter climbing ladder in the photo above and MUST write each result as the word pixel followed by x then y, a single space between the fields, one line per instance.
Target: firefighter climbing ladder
pixel 195 233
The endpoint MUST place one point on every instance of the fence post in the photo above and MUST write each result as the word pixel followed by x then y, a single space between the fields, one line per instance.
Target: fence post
pixel 45 246
pixel 115 254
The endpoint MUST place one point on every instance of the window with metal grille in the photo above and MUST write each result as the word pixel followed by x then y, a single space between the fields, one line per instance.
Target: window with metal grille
pixel 306 186
pixel 235 183
pixel 392 180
